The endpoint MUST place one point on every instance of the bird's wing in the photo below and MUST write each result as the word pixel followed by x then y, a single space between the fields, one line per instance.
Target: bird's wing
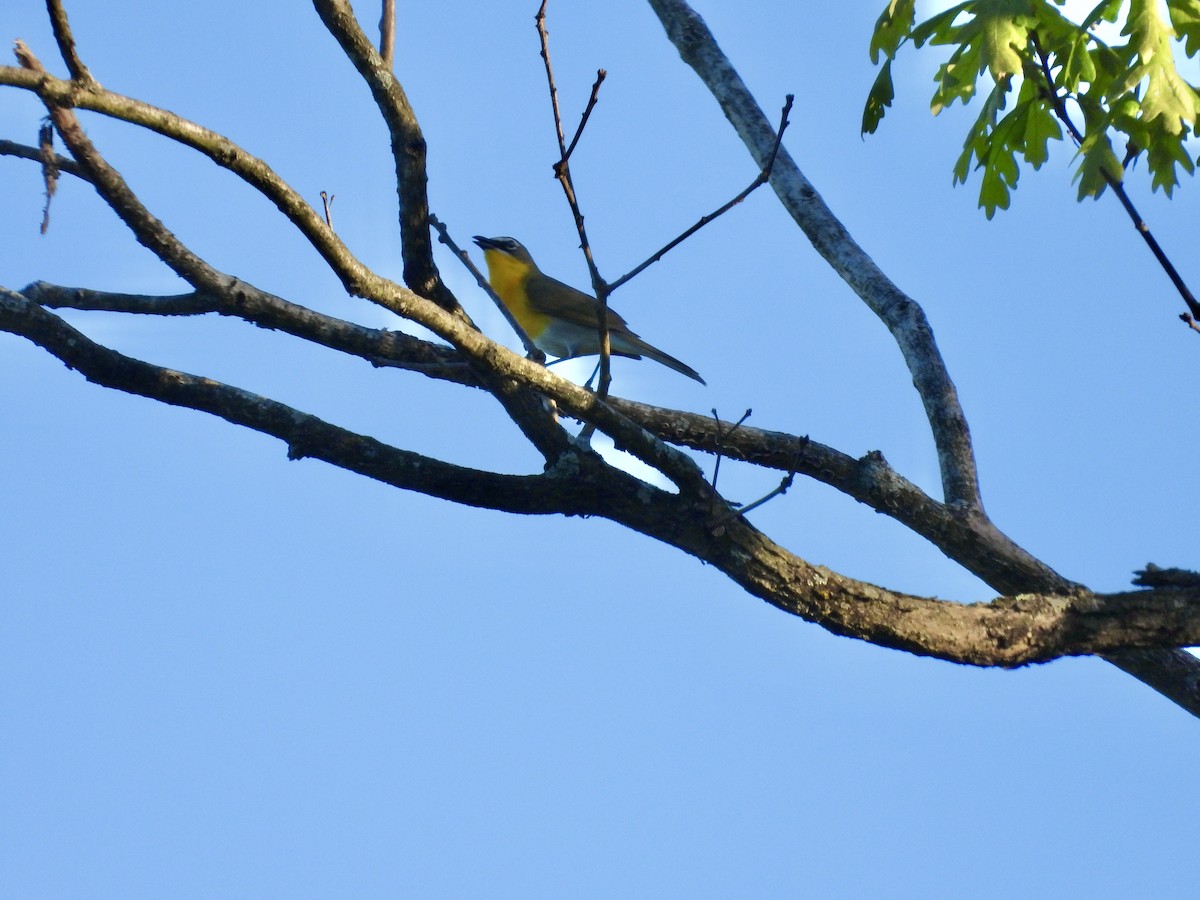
pixel 551 297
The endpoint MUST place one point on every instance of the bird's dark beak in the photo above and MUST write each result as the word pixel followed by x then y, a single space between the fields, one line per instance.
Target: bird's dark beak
pixel 484 243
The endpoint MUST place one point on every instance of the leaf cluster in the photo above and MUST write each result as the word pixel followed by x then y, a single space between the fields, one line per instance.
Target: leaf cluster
pixel 1129 92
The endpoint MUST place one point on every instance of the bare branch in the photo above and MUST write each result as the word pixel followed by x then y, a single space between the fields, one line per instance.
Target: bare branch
pixel 408 151
pixel 66 43
pixel 1006 632
pixel 387 33
pixel 562 171
pixel 763 175
pixel 587 112
pixel 778 491
pixel 305 435
pixel 35 154
pixel 966 537
pixel 327 203
pixel 903 317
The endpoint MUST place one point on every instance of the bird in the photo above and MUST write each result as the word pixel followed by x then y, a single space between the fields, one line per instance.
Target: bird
pixel 560 320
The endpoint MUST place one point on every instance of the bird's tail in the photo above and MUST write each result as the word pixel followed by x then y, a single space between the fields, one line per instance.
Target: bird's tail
pixel 666 359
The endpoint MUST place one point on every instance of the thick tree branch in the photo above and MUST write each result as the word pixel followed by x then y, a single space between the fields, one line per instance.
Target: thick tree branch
pixel 408 150
pixel 377 346
pixel 1006 632
pixel 970 540
pixel 305 435
pixel 966 537
pixel 903 317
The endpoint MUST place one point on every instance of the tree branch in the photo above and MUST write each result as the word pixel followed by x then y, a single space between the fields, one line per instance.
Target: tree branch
pixel 761 179
pixel 903 317
pixel 562 171
pixel 306 435
pixel 408 150
pixel 66 43
pixel 1006 632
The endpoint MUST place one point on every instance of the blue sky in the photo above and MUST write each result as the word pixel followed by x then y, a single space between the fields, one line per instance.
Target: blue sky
pixel 227 674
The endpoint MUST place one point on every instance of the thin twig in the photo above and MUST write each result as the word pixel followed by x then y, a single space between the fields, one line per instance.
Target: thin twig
pixel 24 151
pixel 721 435
pixel 387 33
pixel 762 178
pixel 1118 188
pixel 444 238
pixel 601 74
pixel 540 20
pixel 327 201
pixel 562 171
pixel 779 491
pixel 66 43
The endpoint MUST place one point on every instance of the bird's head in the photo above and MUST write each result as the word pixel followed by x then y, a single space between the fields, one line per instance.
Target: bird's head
pixel 509 247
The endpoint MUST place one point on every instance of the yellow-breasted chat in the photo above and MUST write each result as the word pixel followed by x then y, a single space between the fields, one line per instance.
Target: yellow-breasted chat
pixel 560 320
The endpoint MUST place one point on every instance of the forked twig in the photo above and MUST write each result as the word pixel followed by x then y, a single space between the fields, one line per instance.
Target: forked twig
pixel 721 435
pixel 761 179
pixel 601 74
pixel 562 171
pixel 327 202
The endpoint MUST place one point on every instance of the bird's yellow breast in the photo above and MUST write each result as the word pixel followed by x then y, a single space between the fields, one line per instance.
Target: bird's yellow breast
pixel 508 277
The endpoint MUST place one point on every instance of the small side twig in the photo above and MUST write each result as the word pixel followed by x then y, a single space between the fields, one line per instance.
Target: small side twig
pixel 24 151
pixel 1118 188
pixel 780 490
pixel 721 435
pixel 601 74
pixel 387 33
pixel 762 178
pixel 66 43
pixel 327 201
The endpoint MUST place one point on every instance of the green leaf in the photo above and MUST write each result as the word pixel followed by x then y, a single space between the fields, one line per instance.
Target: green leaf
pixel 1162 156
pixel 1185 17
pixel 1000 29
pixel 1167 94
pixel 879 99
pixel 956 79
pixel 939 28
pixel 892 27
pixel 1079 65
pixel 1097 161
pixel 1040 128
pixel 1104 11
